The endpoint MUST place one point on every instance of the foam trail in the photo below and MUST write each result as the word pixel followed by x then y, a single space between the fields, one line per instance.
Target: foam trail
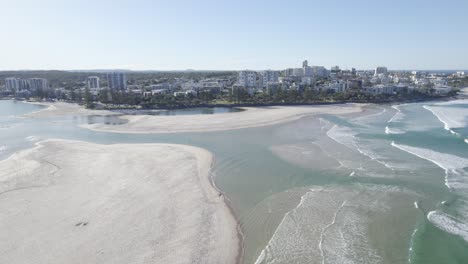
pixel 449 224
pixel 371 115
pixel 453 102
pixel 393 131
pixel 451 117
pixel 451 164
pixel 32 138
pixel 262 256
pixel 322 234
pixel 413 235
pixel 346 137
pixel 398 115
pixel 416 205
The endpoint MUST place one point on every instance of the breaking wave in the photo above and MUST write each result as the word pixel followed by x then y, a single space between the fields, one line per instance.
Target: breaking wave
pixel 398 115
pixel 455 177
pixel 322 228
pixel 449 224
pixel 393 131
pixel 346 136
pixel 451 117
pixel 32 138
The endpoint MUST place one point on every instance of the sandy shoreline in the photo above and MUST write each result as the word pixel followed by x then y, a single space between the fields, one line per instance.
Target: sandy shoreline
pixel 252 117
pixel 64 109
pixel 151 124
pixel 77 202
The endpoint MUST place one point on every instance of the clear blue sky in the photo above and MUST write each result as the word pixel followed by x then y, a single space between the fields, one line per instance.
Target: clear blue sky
pixel 232 35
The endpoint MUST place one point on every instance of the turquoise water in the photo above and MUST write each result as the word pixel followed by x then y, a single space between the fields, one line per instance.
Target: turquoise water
pixel 327 188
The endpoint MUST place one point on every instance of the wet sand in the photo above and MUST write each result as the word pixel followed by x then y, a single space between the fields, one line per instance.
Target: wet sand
pixel 77 202
pixel 63 109
pixel 252 117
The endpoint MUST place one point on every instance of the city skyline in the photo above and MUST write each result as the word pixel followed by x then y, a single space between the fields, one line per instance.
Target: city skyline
pixel 208 35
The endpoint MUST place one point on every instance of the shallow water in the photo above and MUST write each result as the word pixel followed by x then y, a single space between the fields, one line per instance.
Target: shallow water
pixel 362 185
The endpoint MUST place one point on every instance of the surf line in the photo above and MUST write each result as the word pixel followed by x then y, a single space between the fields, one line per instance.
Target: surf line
pixel 446 124
pixel 322 234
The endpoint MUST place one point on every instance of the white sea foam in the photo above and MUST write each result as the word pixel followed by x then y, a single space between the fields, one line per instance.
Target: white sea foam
pixel 452 165
pixel 3 148
pixel 346 136
pixel 352 174
pixel 32 138
pixel 416 205
pixel 449 224
pixel 466 140
pixel 393 131
pixel 371 116
pixel 451 117
pixel 413 235
pixel 9 126
pixel 398 115
pixel 322 228
pixel 453 102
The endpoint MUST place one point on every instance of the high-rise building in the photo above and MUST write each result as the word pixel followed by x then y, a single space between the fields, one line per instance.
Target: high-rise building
pixel 93 82
pixel 319 72
pixel 380 70
pixel 12 84
pixel 36 84
pixel 247 78
pixel 335 69
pixel 23 84
pixel 270 77
pixel 288 72
pixel 308 72
pixel 298 72
pixel 117 81
pixel 305 64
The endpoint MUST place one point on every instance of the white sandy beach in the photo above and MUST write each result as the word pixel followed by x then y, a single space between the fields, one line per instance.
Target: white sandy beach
pixel 252 117
pixel 76 202
pixel 64 109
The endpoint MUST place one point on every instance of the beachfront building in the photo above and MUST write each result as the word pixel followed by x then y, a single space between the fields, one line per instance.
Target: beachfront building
pixel 93 82
pixel 37 84
pixel 247 78
pixel 270 76
pixel 338 86
pixel 117 81
pixel 12 84
pixel 442 89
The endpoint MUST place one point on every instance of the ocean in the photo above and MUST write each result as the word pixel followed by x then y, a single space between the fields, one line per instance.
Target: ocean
pixel 389 185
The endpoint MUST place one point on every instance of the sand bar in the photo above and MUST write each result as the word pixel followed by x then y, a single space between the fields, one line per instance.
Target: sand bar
pixel 65 109
pixel 76 202
pixel 252 117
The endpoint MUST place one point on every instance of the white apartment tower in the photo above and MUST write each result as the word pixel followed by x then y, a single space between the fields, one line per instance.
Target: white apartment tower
pixel 93 82
pixel 117 80
pixel 247 78
pixel 270 77
pixel 12 84
pixel 36 84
